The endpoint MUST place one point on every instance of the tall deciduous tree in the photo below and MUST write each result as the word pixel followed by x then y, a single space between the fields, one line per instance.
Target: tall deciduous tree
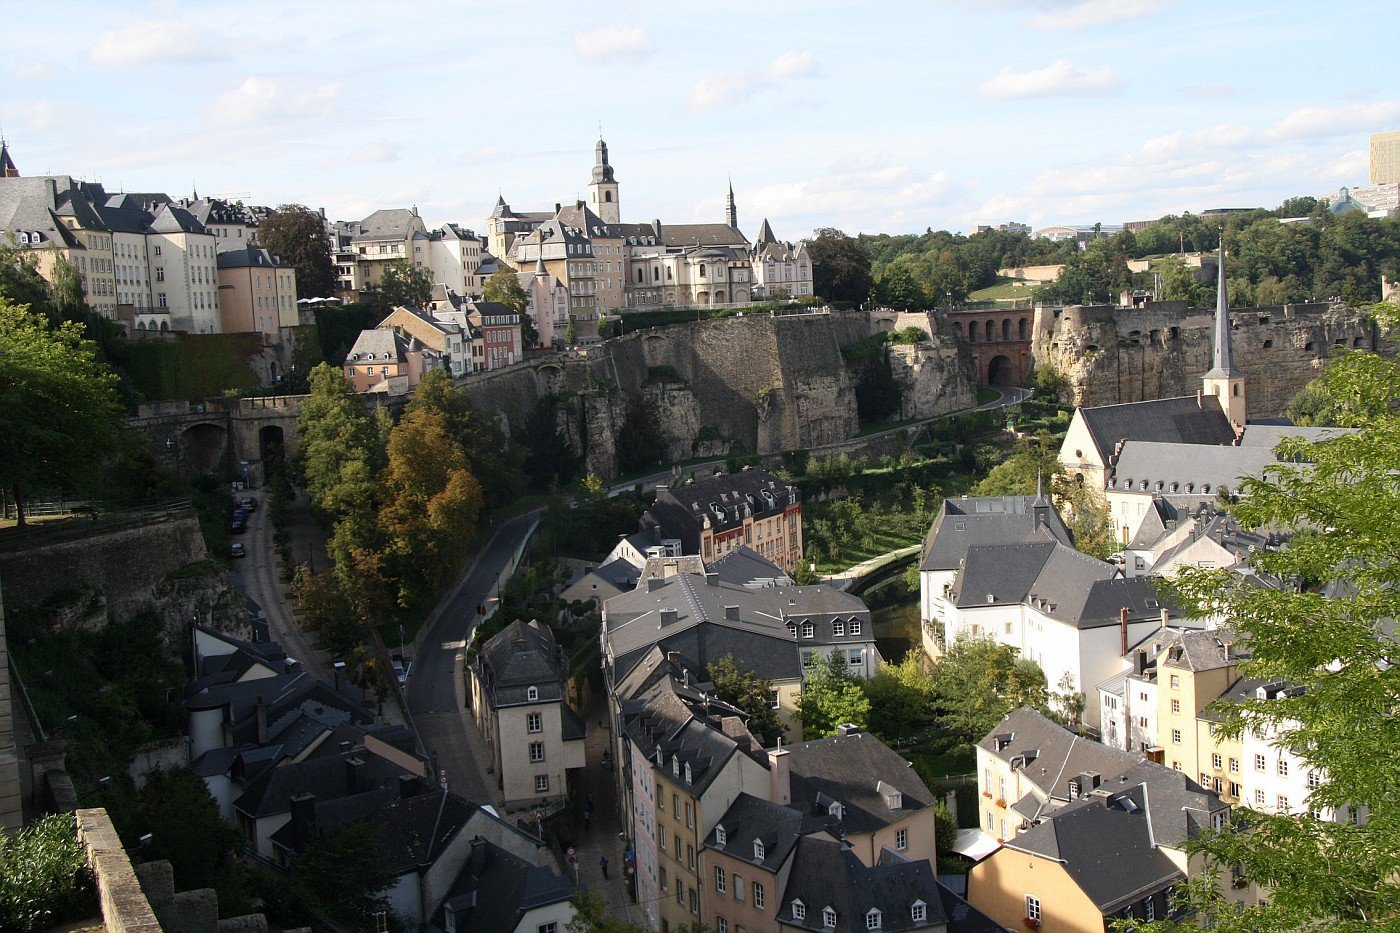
pixel 401 285
pixel 59 414
pixel 743 687
pixel 346 875
pixel 831 697
pixel 903 700
pixel 979 681
pixel 431 503
pixel 297 235
pixel 840 266
pixel 495 464
pixel 1336 651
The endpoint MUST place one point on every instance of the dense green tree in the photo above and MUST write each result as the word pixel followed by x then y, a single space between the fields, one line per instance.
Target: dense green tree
pixel 430 505
pixel 297 235
pixel 66 301
pixel 337 328
pixel 903 701
pixel 548 458
pixel 400 286
pixel 175 808
pixel 640 445
pixel 44 876
pixel 831 697
pixel 743 687
pixel 341 450
pixel 570 335
pixel 591 915
pixel 491 459
pixel 1178 284
pixel 979 681
pixel 20 281
pixel 59 414
pixel 840 266
pixel 1336 652
pixel 1034 465
pixel 346 876
pixel 504 286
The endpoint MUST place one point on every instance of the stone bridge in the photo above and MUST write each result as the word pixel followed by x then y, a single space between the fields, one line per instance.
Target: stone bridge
pixel 232 435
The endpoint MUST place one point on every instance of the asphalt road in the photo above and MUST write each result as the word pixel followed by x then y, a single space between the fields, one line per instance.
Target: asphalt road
pixel 435 692
pixel 259 574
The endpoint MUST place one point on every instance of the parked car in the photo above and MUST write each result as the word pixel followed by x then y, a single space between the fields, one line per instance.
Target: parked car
pixel 401 668
pixel 237 526
pixel 248 504
pixel 236 550
pixel 240 515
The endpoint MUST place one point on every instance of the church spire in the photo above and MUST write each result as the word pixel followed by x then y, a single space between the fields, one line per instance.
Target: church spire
pixel 1224 360
pixel 731 213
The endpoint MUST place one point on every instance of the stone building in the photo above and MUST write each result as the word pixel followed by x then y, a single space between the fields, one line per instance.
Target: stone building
pixel 517 694
pixel 712 517
pixel 1000 341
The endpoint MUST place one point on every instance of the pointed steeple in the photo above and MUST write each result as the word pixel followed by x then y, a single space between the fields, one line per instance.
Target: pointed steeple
pixel 731 213
pixel 602 171
pixel 765 234
pixel 7 165
pixel 1224 359
pixel 539 265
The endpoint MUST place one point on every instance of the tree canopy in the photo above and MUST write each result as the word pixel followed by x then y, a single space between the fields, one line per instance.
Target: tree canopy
pixel 504 286
pixel 60 418
pixel 297 235
pixel 400 286
pixel 742 686
pixel 831 697
pixel 1329 637
pixel 840 266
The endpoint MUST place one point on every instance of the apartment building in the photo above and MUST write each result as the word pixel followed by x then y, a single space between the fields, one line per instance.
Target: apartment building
pixel 713 517
pixel 257 292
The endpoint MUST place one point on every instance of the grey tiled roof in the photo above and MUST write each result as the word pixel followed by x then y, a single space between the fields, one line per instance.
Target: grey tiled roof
pixel 744 566
pixel 521 656
pixel 385 224
pixel 495 890
pixel 1182 420
pixel 850 769
pixel 751 819
pixel 703 235
pixel 377 344
pixel 966 522
pixel 681 511
pixel 1170 468
pixel 172 219
pixel 327 778
pixel 1269 435
pixel 249 257
pixel 1049 755
pixel 825 874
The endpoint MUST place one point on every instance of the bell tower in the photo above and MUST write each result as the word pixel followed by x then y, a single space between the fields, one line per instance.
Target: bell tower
pixel 602 190
pixel 1223 380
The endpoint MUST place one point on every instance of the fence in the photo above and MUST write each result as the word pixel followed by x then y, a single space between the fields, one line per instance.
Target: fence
pixel 99 520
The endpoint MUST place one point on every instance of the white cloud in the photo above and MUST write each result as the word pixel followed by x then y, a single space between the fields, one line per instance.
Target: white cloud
pixel 1211 91
pixel 381 151
pixel 613 44
pixel 1318 122
pixel 31 71
pixel 1085 14
pixel 149 42
pixel 1061 79
pixel 732 87
pixel 269 100
pixel 862 193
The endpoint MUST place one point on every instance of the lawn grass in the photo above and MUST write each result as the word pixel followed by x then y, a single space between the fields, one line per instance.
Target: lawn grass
pixel 1005 289
pixel 882 544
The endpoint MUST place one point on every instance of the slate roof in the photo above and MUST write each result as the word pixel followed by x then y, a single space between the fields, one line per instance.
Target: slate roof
pixel 1175 469
pixel 249 257
pixel 824 873
pixel 326 777
pixel 685 613
pixel 378 344
pixel 1057 581
pixel 413 830
pixel 962 916
pixel 1269 435
pixel 703 235
pixel 850 769
pixel 390 223
pixel 1181 420
pixel 1049 755
pixel 966 522
pixel 685 728
pixel 751 818
pixel 722 501
pixel 172 219
pixel 495 890
pixel 744 566
pixel 520 656
pixel 29 205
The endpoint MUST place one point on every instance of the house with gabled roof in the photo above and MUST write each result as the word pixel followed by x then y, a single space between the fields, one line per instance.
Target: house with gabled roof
pixel 517 689
pixel 713 516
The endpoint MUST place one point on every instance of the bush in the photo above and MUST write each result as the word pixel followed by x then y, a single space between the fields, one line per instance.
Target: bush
pixel 44 877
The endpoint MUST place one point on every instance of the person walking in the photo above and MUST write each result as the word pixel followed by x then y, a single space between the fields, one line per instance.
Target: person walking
pixel 587 815
pixel 603 864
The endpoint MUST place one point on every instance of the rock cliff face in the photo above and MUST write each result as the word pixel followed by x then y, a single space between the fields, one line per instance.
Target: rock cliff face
pixel 767 384
pixel 1110 355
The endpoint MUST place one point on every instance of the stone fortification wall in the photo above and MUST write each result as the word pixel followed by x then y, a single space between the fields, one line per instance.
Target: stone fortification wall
pixel 765 383
pixel 1111 355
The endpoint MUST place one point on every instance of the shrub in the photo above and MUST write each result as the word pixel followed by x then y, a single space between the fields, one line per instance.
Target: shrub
pixel 44 877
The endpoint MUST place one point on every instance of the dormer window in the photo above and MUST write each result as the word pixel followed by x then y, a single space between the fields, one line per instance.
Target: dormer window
pixel 792 629
pixel 835 809
pixel 838 627
pixel 872 919
pixel 829 918
pixel 758 850
pixel 687 773
pixel 532 693
pixel 918 912
pixel 855 626
pixel 675 766
pixel 808 630
pixel 721 837
pixel 799 910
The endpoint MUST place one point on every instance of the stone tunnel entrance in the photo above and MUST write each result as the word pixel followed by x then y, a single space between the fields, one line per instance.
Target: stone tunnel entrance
pixel 203 448
pixel 1001 371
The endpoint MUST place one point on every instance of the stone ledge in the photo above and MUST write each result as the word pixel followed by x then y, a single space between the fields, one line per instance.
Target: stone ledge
pixel 124 906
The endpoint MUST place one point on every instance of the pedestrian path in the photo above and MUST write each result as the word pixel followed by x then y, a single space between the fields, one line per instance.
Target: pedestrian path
pixel 603 837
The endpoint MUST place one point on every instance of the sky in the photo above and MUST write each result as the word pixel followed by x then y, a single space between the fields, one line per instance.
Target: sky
pixel 871 117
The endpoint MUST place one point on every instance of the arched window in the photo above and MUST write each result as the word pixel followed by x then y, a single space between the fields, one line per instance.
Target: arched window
pixel 972 331
pixel 991 330
pixel 607 196
pixel 1006 329
pixel 1021 329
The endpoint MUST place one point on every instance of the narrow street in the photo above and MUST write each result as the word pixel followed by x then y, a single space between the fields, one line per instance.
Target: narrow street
pixel 604 836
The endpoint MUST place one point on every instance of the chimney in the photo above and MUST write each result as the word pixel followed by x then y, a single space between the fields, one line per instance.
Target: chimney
pixel 408 786
pixel 261 712
pixel 1229 650
pixel 711 578
pixel 674 657
pixel 655 583
pixel 669 617
pixel 731 613
pixel 1123 629
pixel 353 767
pixel 847 728
pixel 656 228
pixel 345 746
pixel 303 819
pixel 1200 398
pixel 780 775
pixel 1166 617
